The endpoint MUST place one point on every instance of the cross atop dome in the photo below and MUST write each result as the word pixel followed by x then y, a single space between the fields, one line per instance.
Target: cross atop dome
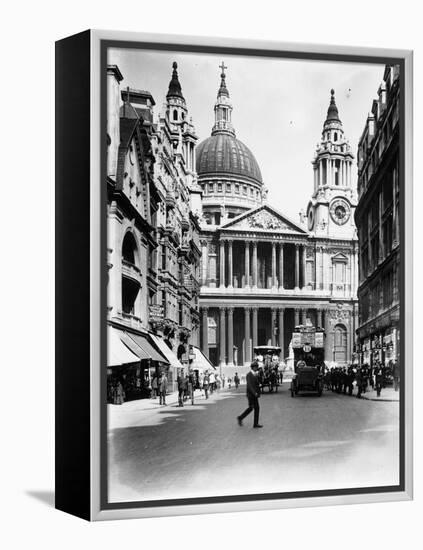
pixel 223 90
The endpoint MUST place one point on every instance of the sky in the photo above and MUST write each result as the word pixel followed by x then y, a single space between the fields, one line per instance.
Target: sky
pixel 279 106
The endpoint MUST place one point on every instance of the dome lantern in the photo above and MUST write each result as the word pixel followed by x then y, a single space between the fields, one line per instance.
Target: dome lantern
pixel 223 108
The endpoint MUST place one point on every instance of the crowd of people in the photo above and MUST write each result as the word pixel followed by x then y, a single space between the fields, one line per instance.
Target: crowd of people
pixel 345 379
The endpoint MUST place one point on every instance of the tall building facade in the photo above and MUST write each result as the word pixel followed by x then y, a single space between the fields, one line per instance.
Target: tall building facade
pixel 377 219
pixel 153 245
pixel 263 274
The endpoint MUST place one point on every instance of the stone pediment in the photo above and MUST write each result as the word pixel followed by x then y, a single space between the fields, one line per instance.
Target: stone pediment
pixel 263 218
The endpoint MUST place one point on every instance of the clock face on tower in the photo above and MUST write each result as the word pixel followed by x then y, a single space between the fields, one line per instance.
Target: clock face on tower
pixel 340 211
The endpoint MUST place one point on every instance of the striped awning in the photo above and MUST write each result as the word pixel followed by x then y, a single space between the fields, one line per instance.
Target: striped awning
pixel 117 352
pixel 145 349
pixel 170 355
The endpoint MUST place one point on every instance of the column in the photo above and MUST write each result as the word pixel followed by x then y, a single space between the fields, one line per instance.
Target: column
pixel 255 325
pixel 222 264
pixel 297 316
pixel 304 265
pixel 328 337
pixel 282 331
pixel 247 264
pixel 247 353
pixel 297 266
pixel 319 318
pixel 255 266
pixel 205 327
pixel 273 323
pixel 230 266
pixel 222 337
pixel 205 262
pixel 273 264
pixel 328 172
pixel 281 266
pixel 230 336
pixel 321 173
pixel 303 315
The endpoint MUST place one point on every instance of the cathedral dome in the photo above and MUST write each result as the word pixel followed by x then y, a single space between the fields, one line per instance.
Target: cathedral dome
pixel 222 154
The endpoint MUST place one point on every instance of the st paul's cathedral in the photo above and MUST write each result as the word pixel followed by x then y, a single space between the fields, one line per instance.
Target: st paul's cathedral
pixel 262 273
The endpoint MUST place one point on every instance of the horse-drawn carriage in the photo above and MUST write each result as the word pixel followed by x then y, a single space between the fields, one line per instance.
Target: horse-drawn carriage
pixel 270 374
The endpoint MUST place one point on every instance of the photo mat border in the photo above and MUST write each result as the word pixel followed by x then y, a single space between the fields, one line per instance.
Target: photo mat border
pixel 101 508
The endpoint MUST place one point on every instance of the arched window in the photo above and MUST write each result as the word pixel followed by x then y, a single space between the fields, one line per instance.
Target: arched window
pixel 340 343
pixel 130 275
pixel 335 136
pixel 129 247
pixel 175 114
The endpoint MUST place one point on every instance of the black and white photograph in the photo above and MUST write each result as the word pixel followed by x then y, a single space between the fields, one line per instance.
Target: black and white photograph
pixel 254 264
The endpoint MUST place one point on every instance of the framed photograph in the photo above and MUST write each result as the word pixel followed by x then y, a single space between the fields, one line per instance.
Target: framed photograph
pixel 233 282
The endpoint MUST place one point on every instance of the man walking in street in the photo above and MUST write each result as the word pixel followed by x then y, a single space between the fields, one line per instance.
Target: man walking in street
pixel 253 394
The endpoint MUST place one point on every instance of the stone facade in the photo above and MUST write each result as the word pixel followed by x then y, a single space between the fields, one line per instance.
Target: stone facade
pixel 377 219
pixel 153 230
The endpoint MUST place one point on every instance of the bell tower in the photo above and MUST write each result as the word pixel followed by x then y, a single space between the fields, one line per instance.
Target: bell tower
pixel 331 209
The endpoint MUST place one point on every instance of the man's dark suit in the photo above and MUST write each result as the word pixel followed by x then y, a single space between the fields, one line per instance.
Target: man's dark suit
pixel 253 393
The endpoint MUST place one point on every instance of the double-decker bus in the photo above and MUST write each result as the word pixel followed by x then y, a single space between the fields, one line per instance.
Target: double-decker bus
pixel 308 344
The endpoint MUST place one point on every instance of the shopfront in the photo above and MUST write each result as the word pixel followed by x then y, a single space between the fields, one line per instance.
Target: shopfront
pixel 133 360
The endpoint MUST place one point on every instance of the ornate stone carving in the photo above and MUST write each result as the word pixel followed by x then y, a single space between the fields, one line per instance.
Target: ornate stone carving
pixel 265 220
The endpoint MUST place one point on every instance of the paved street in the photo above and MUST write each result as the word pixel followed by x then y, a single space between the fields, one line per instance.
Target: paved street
pixel 307 443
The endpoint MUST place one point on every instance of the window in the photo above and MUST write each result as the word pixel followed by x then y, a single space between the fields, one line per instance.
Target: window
pixel 340 344
pixel 228 187
pixel 129 248
pixel 237 189
pixel 175 114
pixel 130 286
pixel 211 188
pixel 244 189
pixel 335 136
pixel 219 187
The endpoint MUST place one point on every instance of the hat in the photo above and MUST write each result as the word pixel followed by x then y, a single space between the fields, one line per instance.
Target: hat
pixel 254 365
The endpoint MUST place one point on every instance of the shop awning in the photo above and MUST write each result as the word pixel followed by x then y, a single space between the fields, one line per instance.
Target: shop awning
pixel 200 361
pixel 145 350
pixel 117 352
pixel 167 352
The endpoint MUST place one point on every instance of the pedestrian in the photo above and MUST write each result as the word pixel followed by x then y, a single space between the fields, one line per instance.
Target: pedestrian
pixel 154 386
pixel 191 386
pixel 163 388
pixel 223 380
pixel 206 383
pixel 229 382
pixel 253 394
pixel 359 382
pixel 396 375
pixel 200 383
pixel 181 388
pixel 212 382
pixel 236 380
pixel 378 372
pixel 118 393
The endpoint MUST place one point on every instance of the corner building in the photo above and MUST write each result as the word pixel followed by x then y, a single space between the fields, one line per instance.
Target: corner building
pixel 262 273
pixel 377 219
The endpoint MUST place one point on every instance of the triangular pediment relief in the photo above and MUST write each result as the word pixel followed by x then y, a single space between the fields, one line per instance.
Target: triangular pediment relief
pixel 264 218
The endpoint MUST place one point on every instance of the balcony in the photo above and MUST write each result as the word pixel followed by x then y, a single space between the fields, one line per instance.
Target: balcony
pixel 131 271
